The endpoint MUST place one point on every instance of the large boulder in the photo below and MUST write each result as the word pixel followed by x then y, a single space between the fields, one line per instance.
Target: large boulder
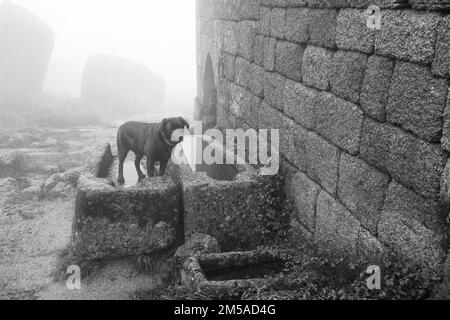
pixel 26 44
pixel 121 85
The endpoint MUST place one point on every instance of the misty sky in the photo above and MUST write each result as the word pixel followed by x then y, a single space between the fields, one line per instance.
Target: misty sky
pixel 159 34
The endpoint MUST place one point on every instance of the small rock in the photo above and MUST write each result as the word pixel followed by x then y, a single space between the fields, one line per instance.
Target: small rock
pixel 59 190
pixel 197 244
pixel 50 169
pixel 18 140
pixel 52 181
pixel 71 176
pixel 34 191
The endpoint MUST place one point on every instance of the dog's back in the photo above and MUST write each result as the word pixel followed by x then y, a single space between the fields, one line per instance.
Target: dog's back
pixel 132 135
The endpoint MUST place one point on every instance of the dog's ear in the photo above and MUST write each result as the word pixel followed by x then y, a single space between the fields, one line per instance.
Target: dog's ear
pixel 184 122
pixel 166 124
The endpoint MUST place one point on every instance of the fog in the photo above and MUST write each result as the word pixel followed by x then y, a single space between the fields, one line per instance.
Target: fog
pixel 158 34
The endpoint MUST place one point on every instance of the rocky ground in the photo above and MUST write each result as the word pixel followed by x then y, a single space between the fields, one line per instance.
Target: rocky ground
pixel 39 169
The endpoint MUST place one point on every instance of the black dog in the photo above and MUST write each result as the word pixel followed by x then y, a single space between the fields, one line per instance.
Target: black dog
pixel 152 140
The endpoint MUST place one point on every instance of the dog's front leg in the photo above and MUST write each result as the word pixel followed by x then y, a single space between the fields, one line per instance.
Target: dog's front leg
pixel 150 168
pixel 122 157
pixel 137 164
pixel 162 167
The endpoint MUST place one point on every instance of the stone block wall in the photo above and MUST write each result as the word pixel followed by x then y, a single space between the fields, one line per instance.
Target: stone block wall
pixel 364 115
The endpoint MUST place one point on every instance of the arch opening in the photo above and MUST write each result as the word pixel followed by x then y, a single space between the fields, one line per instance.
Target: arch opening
pixel 208 102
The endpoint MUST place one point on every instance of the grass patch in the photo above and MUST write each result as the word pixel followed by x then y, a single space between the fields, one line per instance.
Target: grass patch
pixel 66 258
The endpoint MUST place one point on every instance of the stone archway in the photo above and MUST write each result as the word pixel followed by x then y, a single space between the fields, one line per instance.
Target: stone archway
pixel 208 114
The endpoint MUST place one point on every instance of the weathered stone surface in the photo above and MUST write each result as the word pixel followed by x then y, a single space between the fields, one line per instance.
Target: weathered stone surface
pixel 269 54
pixel 274 3
pixel 101 160
pixel 322 161
pixel 339 121
pixel 223 93
pixel 337 231
pixel 256 81
pixel 235 212
pixel 300 103
pixel 298 157
pixel 246 38
pixel 236 98
pixel 290 146
pixel 203 8
pixel 441 63
pixel 316 67
pixel 347 74
pixel 223 118
pixel 430 4
pixel 258 51
pixel 194 269
pixel 296 3
pixel 328 3
pixel 298 233
pixel 273 22
pixel 369 247
pixel 417 100
pixel 383 4
pixel 249 107
pixel 278 23
pixel 252 118
pixel 226 10
pixel 352 31
pixel 445 184
pixel 414 162
pixel 239 102
pixel 264 25
pixel 270 118
pixel 274 89
pixel 408 35
pixel 407 224
pixel 297 25
pixel 227 66
pixel 322 27
pixel 304 193
pixel 228 37
pixel 204 26
pixel 288 61
pixel 242 72
pixel 70 177
pixel 445 141
pixel 362 189
pixel 250 9
pixel 113 223
pixel 375 87
pixel 196 245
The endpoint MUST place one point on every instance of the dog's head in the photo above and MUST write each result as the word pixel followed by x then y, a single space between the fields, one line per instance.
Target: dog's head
pixel 170 125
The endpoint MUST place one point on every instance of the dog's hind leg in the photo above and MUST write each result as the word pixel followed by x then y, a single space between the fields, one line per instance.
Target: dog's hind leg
pixel 137 164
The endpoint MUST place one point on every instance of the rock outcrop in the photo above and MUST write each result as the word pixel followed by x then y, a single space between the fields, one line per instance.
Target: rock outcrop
pixel 26 44
pixel 121 85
